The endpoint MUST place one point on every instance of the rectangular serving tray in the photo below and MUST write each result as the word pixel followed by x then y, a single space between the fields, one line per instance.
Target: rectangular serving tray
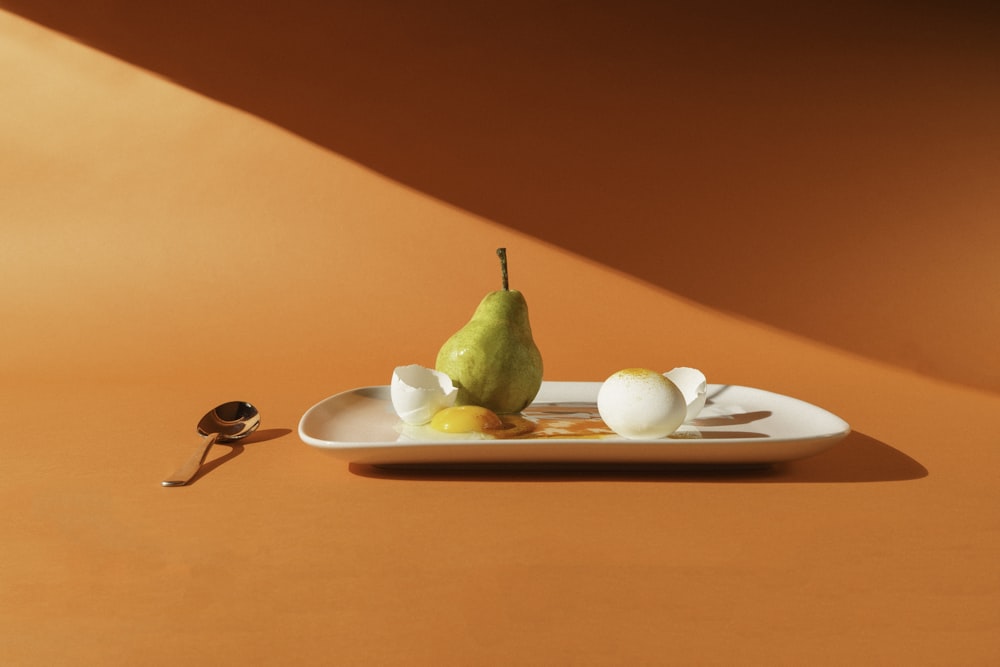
pixel 739 426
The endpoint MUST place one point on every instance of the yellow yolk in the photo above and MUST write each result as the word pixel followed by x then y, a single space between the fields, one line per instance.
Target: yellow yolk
pixel 466 419
pixel 467 422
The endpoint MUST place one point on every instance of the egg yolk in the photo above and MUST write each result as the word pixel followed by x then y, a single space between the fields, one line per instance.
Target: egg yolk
pixel 466 419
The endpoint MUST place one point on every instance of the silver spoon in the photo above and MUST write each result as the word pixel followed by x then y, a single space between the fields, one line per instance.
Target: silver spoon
pixel 228 422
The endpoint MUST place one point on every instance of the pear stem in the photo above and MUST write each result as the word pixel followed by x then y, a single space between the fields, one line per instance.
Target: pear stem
pixel 502 254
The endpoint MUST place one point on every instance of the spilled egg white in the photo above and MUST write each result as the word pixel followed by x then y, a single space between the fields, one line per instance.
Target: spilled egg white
pixel 639 403
pixel 693 385
pixel 418 393
pixel 426 433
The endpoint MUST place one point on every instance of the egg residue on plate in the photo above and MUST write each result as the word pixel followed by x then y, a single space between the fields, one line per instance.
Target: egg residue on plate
pixel 465 419
pixel 636 403
pixel 468 422
pixel 424 400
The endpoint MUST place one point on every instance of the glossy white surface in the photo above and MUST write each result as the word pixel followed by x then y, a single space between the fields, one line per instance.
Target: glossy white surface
pixel 739 426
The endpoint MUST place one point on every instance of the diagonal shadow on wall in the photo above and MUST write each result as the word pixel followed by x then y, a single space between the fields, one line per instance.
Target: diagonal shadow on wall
pixel 831 172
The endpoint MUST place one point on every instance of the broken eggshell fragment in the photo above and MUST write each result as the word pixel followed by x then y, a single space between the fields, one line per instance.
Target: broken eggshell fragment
pixel 418 393
pixel 693 385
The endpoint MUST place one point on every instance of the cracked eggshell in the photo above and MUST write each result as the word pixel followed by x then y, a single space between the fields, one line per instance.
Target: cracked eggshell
pixel 418 393
pixel 693 385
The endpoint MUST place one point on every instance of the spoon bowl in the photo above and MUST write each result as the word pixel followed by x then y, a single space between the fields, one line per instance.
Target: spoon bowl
pixel 230 421
pixel 225 423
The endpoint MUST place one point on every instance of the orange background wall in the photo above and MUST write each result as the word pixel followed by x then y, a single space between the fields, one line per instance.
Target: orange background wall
pixel 275 202
pixel 826 176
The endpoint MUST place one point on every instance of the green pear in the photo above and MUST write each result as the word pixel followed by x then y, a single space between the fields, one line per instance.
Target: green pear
pixel 493 360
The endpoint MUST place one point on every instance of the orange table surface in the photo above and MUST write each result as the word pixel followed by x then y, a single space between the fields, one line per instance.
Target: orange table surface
pixel 163 252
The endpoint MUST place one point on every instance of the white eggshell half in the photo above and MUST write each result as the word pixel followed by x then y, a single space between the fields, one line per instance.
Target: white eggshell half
pixel 418 393
pixel 693 385
pixel 641 404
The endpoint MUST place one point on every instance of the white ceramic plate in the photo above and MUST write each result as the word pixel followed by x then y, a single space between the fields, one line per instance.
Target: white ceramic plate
pixel 739 426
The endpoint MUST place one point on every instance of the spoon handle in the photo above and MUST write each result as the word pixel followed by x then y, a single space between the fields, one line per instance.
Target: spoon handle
pixel 190 468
